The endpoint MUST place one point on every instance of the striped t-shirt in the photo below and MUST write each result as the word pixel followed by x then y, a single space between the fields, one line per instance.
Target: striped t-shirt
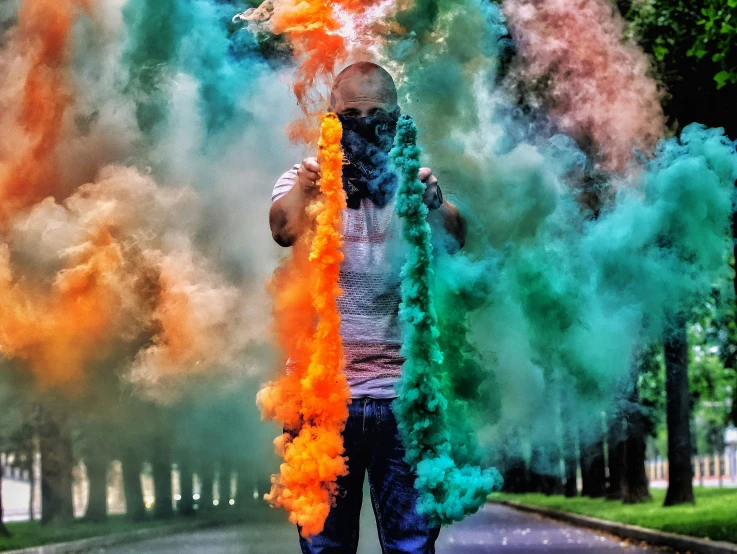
pixel 369 305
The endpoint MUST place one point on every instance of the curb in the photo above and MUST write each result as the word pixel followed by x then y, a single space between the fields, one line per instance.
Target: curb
pixel 115 539
pixel 679 543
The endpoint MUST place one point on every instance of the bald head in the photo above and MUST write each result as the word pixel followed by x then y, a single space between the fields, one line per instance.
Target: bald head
pixel 362 88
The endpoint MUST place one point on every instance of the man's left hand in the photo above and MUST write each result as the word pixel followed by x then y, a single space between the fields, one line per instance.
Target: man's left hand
pixel 431 185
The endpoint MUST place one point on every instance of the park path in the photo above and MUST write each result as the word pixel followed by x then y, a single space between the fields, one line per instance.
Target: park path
pixel 495 529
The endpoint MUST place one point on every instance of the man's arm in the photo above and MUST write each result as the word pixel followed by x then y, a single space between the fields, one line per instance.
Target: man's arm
pixel 287 216
pixel 447 214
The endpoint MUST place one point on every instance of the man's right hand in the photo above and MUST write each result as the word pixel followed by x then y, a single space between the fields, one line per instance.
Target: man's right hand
pixel 308 174
pixel 287 215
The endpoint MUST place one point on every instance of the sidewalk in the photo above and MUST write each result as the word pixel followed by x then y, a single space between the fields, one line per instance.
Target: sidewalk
pixel 711 483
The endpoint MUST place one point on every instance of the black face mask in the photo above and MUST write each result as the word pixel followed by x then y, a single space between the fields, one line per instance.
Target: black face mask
pixel 367 172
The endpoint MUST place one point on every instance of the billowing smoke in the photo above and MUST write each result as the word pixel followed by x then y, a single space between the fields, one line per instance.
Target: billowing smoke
pixel 576 66
pixel 141 139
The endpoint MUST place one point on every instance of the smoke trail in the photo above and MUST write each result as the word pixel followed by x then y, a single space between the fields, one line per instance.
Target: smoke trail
pixel 575 63
pixel 316 395
pixel 155 31
pixel 450 486
pixel 43 33
pixel 169 38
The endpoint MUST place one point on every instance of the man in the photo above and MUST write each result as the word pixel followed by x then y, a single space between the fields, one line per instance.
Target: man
pixel 365 99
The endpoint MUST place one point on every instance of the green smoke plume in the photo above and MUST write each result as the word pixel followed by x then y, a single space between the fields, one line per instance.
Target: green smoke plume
pixel 450 483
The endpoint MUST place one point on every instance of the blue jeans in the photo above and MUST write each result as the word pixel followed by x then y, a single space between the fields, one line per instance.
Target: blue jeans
pixel 372 445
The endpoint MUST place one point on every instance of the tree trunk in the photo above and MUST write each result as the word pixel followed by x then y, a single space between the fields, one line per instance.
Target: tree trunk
pixel 635 477
pixel 97 500
pixel 680 480
pixel 244 488
pixel 516 479
pixel 56 472
pixel 733 411
pixel 186 504
pixel 3 530
pixel 207 478
pixel 224 485
pixel 264 485
pixel 570 461
pixel 32 483
pixel 161 468
pixel 616 451
pixel 545 470
pixel 593 468
pixel 135 508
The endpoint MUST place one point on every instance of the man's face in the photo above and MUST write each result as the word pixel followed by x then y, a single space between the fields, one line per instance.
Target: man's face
pixel 368 113
pixel 361 96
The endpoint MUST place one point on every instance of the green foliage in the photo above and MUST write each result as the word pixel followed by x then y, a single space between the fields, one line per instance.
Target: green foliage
pixel 674 30
pixel 713 379
pixel 712 516
pixel 692 45
pixel 718 38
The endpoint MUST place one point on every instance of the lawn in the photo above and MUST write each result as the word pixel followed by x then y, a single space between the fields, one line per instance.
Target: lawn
pixel 32 533
pixel 714 516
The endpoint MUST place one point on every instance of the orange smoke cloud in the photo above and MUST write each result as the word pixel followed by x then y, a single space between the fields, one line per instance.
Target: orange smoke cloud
pixel 113 267
pixel 59 331
pixel 43 36
pixel 312 400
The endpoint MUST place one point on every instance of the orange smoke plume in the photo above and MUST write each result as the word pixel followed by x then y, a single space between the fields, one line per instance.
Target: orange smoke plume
pixel 43 27
pixel 322 35
pixel 312 399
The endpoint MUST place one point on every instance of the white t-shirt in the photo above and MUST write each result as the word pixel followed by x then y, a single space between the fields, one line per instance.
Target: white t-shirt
pixel 369 305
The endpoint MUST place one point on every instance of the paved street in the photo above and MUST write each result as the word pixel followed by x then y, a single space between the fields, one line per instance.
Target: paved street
pixel 494 529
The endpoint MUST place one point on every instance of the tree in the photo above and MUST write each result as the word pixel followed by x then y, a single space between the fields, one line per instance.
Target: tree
pixel 643 398
pixel 92 447
pixel 678 414
pixel 3 530
pixel 570 460
pixel 593 464
pixel 135 507
pixel 635 483
pixel 224 484
pixel 244 487
pixel 97 466
pixel 161 464
pixel 616 456
pixel 186 502
pixel 57 461
pixel 207 481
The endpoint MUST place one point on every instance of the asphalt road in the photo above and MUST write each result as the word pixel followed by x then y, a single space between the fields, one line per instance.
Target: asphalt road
pixel 494 529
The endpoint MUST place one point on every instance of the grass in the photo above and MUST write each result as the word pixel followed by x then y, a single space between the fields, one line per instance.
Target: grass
pixel 31 533
pixel 714 516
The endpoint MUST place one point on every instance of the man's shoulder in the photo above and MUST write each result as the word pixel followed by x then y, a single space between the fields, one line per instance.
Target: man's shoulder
pixel 284 184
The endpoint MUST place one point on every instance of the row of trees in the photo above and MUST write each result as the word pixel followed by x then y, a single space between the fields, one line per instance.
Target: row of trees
pixel 213 432
pixel 691 47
